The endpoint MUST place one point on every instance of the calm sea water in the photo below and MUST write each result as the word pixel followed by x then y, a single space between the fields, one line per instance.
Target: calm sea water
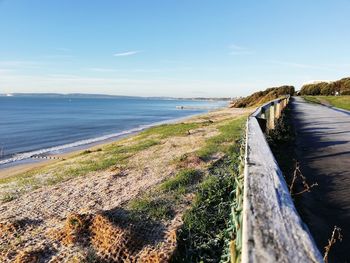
pixel 32 126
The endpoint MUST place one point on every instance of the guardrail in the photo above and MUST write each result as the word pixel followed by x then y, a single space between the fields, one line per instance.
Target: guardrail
pixel 272 229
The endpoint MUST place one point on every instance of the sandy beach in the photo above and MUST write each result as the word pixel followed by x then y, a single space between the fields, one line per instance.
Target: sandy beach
pixel 40 199
pixel 32 164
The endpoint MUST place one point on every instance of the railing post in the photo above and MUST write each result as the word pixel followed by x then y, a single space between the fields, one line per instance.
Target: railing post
pixel 272 117
pixel 278 109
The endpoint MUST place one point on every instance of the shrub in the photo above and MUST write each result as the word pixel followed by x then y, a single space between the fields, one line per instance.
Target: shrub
pixel 341 86
pixel 261 97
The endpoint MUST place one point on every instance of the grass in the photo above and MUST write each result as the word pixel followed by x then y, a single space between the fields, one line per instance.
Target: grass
pixel 182 180
pixel 207 189
pixel 8 197
pixel 82 164
pixel 170 130
pixel 202 236
pixel 155 209
pixel 312 99
pixel 229 133
pixel 89 161
pixel 342 102
pixel 158 203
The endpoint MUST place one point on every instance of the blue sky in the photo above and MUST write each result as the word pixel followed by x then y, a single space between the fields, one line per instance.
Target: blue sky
pixel 184 48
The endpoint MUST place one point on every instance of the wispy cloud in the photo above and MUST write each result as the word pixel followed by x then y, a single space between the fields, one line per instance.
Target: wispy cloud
pixel 127 53
pixel 301 65
pixel 239 50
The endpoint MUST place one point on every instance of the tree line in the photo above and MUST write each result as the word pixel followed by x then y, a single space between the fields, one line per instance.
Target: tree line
pixel 339 87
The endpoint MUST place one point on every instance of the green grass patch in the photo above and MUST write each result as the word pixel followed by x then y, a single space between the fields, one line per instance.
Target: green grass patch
pixel 158 203
pixel 169 130
pixel 181 180
pixel 311 99
pixel 156 209
pixel 342 102
pixel 8 197
pixel 229 133
pixel 203 234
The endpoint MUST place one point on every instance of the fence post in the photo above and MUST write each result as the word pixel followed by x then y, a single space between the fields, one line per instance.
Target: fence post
pixel 278 109
pixel 272 117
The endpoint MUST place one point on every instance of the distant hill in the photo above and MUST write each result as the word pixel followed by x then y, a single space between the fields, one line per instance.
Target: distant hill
pixel 341 87
pixel 262 97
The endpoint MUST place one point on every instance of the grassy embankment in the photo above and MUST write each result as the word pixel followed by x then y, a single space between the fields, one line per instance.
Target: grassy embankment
pixel 261 97
pixel 202 191
pixel 342 102
pixel 203 233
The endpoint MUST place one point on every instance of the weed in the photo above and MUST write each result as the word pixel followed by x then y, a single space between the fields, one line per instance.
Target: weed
pixel 297 174
pixel 336 235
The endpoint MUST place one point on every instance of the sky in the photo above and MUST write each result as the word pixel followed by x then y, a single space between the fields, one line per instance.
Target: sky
pixel 181 48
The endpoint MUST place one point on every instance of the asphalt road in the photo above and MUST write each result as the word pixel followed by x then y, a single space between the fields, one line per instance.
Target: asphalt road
pixel 323 150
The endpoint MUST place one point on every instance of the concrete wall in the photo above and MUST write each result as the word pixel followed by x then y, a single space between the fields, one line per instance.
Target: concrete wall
pixel 272 228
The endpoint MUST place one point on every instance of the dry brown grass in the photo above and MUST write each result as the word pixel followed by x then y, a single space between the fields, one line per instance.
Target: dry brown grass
pixel 336 236
pixel 298 176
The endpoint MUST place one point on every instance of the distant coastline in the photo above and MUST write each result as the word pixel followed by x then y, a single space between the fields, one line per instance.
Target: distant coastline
pixel 106 96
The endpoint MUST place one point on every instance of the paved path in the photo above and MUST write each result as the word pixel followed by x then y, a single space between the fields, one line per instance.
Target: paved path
pixel 323 150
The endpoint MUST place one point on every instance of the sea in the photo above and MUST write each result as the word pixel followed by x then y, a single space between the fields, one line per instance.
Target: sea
pixel 37 126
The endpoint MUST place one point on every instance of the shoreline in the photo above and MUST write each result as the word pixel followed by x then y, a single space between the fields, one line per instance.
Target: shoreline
pixel 139 181
pixel 25 165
